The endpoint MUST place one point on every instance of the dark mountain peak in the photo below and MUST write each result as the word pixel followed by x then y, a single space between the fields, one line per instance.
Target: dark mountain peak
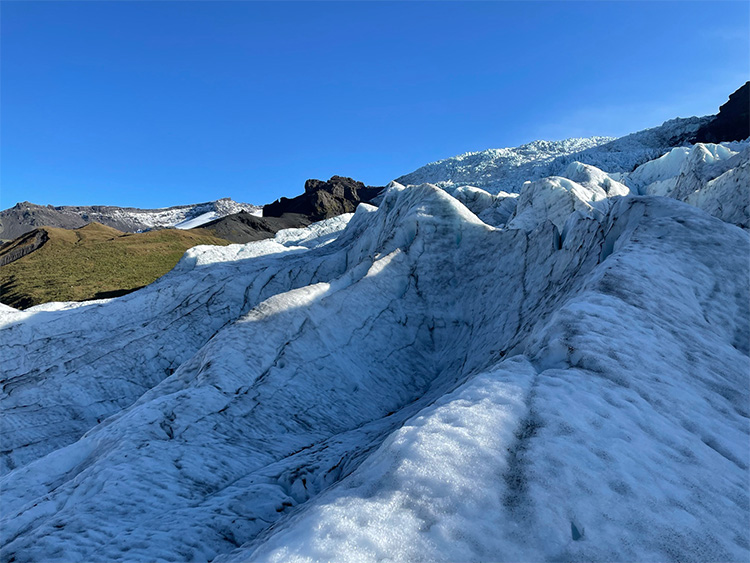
pixel 739 99
pixel 341 186
pixel 323 200
pixel 732 123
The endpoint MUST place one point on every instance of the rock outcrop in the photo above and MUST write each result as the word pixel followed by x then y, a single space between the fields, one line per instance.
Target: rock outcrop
pixel 22 246
pixel 732 123
pixel 323 200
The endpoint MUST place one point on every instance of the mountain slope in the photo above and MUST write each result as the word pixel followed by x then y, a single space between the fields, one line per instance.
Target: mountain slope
pixel 25 216
pixel 320 200
pixel 91 262
pixel 243 227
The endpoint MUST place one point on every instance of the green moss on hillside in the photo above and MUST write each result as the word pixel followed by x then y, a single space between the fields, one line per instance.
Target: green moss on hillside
pixel 94 262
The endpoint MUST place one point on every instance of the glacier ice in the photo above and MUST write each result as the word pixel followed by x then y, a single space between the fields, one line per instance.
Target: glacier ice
pixel 713 177
pixel 458 374
pixel 495 170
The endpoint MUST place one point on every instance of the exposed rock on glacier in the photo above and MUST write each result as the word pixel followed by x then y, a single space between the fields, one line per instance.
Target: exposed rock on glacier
pixel 404 383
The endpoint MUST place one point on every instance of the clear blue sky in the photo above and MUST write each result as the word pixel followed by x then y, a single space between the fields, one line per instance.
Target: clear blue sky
pixel 153 104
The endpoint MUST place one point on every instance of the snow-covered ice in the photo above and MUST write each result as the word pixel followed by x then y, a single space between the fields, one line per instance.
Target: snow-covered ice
pixel 507 169
pixel 714 177
pixel 461 374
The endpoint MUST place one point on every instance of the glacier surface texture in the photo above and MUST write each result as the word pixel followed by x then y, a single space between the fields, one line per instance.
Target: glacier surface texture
pixel 544 357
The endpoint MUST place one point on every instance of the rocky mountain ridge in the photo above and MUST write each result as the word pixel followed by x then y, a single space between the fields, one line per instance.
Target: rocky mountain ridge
pixel 25 216
pixel 323 200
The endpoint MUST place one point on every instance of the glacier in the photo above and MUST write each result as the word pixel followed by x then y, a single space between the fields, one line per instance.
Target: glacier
pixel 507 169
pixel 552 366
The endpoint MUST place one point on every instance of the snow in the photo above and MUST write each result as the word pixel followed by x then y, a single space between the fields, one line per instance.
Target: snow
pixel 461 374
pixel 218 209
pixel 496 170
pixel 181 216
pixel 500 169
pixel 713 177
pixel 201 219
pixel 551 199
pixel 659 174
pixel 572 450
pixel 420 487
pixel 601 184
pixel 728 195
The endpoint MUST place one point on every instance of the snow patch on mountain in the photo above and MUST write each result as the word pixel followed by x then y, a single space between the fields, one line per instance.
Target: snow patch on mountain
pixel 201 219
pixel 185 216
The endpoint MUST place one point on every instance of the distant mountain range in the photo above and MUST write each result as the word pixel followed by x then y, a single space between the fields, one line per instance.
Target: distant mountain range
pixel 228 219
pixel 25 216
pixel 50 263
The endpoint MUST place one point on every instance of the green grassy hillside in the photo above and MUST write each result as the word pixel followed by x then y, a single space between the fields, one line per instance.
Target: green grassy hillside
pixel 93 262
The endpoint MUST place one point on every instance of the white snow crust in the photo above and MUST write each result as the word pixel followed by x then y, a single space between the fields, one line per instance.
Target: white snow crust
pixel 220 208
pixel 201 219
pixel 461 374
pixel 714 177
pixel 507 169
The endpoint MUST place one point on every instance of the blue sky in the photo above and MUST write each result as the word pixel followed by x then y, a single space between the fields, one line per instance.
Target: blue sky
pixel 153 104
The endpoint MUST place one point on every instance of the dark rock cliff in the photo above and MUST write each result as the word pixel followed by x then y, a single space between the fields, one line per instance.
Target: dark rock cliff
pixel 732 123
pixel 323 200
